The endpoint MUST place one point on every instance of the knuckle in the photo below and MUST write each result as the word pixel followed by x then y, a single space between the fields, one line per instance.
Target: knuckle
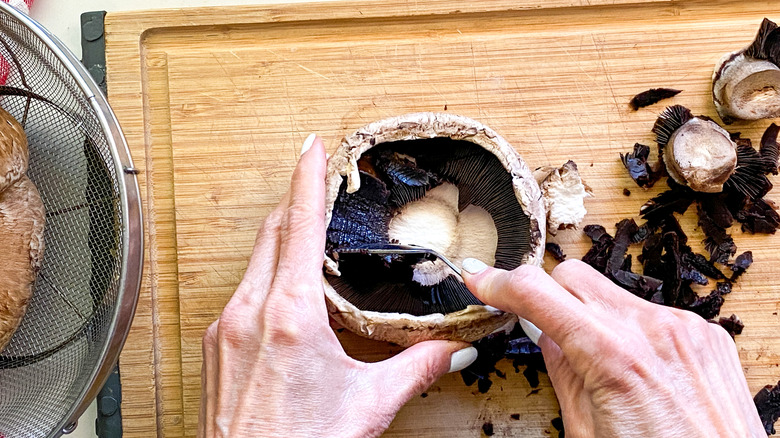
pixel 233 327
pixel 567 270
pixel 210 335
pixel 282 324
pixel 271 225
pixel 666 323
pixel 525 275
pixel 303 216
pixel 284 332
pixel 720 334
pixel 624 362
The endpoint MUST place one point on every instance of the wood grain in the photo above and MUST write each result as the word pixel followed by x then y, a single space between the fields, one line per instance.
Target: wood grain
pixel 215 103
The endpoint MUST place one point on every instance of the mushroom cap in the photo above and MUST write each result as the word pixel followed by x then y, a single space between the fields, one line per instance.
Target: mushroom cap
pixel 21 237
pixel 475 321
pixel 746 88
pixel 13 150
pixel 701 155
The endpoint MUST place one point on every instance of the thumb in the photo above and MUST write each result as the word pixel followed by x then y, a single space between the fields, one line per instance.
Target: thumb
pixel 412 371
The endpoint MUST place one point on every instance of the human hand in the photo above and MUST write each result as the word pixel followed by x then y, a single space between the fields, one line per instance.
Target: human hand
pixel 272 366
pixel 622 366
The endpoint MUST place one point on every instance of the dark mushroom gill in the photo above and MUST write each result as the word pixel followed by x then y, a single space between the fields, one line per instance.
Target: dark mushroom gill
pixel 399 173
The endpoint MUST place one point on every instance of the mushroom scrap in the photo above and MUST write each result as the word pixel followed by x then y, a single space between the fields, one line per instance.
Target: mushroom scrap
pixel 746 83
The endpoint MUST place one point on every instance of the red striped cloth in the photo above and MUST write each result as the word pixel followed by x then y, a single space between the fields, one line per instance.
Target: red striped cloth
pixel 5 67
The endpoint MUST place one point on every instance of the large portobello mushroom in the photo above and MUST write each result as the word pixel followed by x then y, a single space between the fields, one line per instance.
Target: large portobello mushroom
pixel 436 180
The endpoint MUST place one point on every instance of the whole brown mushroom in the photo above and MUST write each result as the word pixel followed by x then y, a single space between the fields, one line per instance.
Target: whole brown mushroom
pixel 21 228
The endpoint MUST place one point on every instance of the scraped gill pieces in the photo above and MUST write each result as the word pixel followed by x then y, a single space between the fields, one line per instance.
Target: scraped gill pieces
pixel 651 96
pixel 564 194
pixel 638 167
pixel 438 181
pixel 696 151
pixel 746 83
pixel 767 402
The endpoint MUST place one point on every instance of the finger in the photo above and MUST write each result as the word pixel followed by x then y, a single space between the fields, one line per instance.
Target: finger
pixel 410 372
pixel 262 265
pixel 303 227
pixel 533 295
pixel 590 287
pixel 208 377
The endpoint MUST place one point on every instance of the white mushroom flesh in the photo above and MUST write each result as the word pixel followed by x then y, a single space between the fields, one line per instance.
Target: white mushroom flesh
pixel 564 196
pixel 434 222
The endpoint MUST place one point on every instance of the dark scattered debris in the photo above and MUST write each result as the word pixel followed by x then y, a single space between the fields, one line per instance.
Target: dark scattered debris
pixel 718 242
pixel 707 306
pixel 700 263
pixel 515 416
pixel 723 287
pixel 599 253
pixel 424 394
pixel 732 324
pixel 759 216
pixel 749 177
pixel 651 96
pixel 638 168
pixel 515 346
pixel 557 423
pixel 619 266
pixel 740 265
pixel 534 392
pixel 487 428
pixel 770 150
pixel 675 200
pixel 626 192
pixel 767 43
pixel 717 209
pixel 767 401
pixel 669 266
pixel 555 251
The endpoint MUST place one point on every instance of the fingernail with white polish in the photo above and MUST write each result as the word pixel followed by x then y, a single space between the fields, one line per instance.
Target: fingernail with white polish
pixel 473 266
pixel 307 144
pixel 530 330
pixel 462 358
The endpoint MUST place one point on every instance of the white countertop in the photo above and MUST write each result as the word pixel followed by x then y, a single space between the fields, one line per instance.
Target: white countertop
pixel 62 18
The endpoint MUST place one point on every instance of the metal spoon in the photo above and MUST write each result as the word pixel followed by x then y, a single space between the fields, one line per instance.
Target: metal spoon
pixel 391 249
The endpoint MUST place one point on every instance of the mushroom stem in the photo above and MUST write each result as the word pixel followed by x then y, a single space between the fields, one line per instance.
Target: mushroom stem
pixel 696 151
pixel 746 83
pixel 701 155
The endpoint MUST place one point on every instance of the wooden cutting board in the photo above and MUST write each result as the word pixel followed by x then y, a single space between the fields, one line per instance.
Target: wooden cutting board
pixel 216 102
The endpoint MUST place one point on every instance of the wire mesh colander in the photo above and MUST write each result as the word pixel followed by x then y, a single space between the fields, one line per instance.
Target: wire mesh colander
pixel 85 293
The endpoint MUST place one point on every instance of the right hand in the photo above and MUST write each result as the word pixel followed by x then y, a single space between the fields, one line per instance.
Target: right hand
pixel 622 366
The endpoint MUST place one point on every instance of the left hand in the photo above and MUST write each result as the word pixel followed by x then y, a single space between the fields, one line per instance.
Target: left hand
pixel 272 366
